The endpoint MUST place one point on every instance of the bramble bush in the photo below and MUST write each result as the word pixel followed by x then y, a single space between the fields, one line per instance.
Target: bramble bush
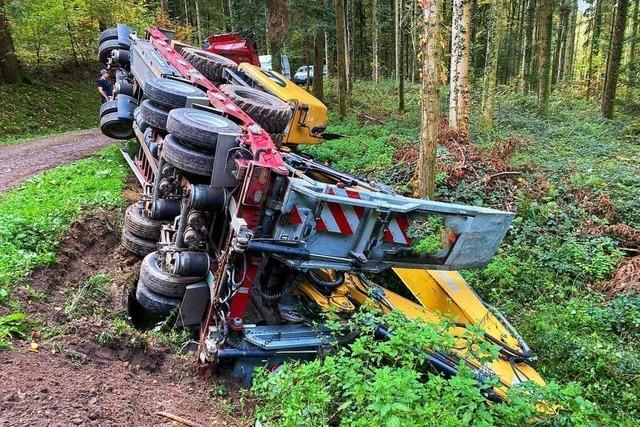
pixel 372 382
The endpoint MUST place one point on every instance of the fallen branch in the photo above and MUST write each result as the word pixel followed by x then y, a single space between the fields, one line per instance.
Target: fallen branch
pixel 368 117
pixel 178 419
pixel 490 177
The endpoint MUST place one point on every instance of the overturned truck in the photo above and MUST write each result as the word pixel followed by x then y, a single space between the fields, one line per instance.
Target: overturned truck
pixel 251 243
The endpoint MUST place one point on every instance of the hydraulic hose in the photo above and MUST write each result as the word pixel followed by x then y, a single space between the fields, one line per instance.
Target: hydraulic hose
pixel 319 281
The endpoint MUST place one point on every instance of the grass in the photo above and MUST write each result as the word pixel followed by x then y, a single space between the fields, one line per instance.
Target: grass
pixel 34 215
pixel 89 298
pixel 50 104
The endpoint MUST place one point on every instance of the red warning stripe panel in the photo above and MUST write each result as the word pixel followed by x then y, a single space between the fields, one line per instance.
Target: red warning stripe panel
pixel 397 231
pixel 295 216
pixel 345 219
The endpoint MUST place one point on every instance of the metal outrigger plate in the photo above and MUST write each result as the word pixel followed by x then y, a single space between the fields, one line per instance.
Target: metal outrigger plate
pixel 348 228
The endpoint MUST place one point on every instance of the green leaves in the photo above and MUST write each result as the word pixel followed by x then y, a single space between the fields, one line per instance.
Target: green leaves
pixel 13 325
pixel 381 383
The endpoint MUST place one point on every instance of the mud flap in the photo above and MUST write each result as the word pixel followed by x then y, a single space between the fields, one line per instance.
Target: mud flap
pixel 123 35
pixel 126 107
pixel 194 303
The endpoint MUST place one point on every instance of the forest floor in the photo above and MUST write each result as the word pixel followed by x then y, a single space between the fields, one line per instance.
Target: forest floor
pixel 21 161
pixel 78 368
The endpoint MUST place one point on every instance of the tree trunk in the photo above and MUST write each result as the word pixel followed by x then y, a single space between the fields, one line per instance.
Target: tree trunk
pixel 525 68
pixel 10 71
pixel 569 45
pixel 198 26
pixel 399 42
pixel 543 39
pixel 277 18
pixel 186 13
pixel 72 41
pixel 375 66
pixel 430 105
pixel 613 65
pixel 632 69
pixel 459 76
pixel 517 54
pixel 327 57
pixel 563 24
pixel 495 32
pixel 341 54
pixel 164 7
pixel 232 20
pixel 318 61
pixel 361 42
pixel 596 26
pixel 350 54
pixel 414 38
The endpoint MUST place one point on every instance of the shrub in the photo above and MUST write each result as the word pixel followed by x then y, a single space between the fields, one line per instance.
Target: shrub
pixel 372 382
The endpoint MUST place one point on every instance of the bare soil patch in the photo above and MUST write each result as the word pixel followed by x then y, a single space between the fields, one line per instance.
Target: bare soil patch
pixel 19 162
pixel 65 375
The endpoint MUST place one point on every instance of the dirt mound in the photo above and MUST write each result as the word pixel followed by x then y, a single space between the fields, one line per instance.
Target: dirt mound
pixel 90 246
pixel 78 369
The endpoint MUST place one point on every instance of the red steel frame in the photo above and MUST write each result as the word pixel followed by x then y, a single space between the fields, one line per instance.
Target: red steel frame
pixel 253 137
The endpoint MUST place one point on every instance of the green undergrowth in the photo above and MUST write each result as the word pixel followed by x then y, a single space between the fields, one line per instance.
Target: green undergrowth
pixel 375 383
pixel 545 271
pixel 51 103
pixel 34 215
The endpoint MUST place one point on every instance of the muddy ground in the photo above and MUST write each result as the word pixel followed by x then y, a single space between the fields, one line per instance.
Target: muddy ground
pixel 19 162
pixel 67 373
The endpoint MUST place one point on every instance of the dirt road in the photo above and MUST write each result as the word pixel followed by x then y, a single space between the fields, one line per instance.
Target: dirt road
pixel 19 162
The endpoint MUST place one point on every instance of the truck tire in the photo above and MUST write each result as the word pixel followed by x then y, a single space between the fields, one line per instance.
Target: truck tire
pixel 271 113
pixel 116 128
pixel 106 48
pixel 140 121
pixel 139 225
pixel 155 303
pixel 136 245
pixel 108 34
pixel 199 128
pixel 108 107
pixel 186 158
pixel 170 93
pixel 154 115
pixel 211 65
pixel 162 283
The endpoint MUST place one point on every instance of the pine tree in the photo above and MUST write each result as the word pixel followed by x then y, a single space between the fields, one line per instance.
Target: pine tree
pixel 430 97
pixel 495 31
pixel 341 56
pixel 459 75
pixel 613 64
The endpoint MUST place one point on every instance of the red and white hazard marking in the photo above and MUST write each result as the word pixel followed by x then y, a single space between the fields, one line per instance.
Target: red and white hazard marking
pixel 345 219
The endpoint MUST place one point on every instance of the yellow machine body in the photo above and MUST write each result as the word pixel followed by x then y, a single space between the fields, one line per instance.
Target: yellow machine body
pixel 310 114
pixel 440 295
